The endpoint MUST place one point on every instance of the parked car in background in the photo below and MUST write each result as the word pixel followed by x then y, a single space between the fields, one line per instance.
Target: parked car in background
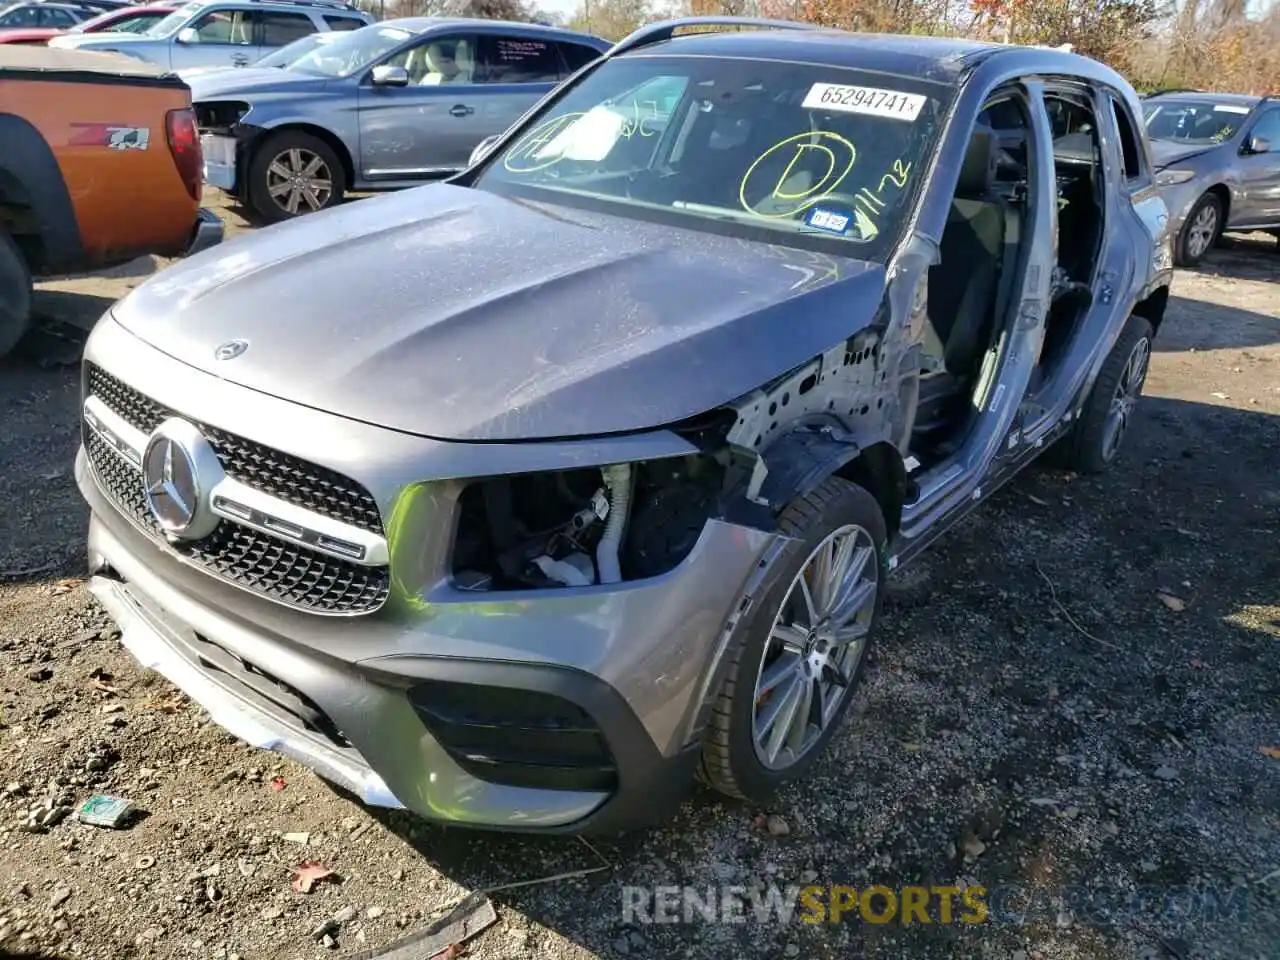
pixel 518 499
pixel 1218 161
pixel 132 19
pixel 280 59
pixel 385 107
pixel 225 33
pixel 99 163
pixel 56 16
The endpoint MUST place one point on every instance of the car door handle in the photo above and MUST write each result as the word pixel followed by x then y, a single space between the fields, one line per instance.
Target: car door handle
pixel 461 110
pixel 240 59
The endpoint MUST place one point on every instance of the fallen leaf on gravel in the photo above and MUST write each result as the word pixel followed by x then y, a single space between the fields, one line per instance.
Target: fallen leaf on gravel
pixel 1272 752
pixel 1173 603
pixel 99 685
pixel 308 873
pixel 278 784
pixel 451 952
pixel 64 586
pixel 302 838
pixel 1036 500
pixel 973 847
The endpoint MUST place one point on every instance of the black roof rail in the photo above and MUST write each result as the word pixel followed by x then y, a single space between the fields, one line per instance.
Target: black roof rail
pixel 324 4
pixel 652 33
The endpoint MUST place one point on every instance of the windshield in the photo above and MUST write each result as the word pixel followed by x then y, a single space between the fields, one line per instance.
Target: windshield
pixel 783 152
pixel 174 21
pixel 290 52
pixel 351 51
pixel 1194 121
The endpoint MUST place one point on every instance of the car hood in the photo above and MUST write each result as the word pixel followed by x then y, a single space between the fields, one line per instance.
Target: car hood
pixel 454 313
pixel 219 82
pixel 1166 152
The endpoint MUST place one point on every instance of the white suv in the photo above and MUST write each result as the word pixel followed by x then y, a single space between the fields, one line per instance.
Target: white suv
pixel 223 33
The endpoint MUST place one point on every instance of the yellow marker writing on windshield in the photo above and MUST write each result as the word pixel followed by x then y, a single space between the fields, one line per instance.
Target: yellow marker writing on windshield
pixel 801 150
pixel 535 141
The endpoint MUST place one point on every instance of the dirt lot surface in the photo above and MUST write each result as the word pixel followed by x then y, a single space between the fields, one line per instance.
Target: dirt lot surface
pixel 1038 720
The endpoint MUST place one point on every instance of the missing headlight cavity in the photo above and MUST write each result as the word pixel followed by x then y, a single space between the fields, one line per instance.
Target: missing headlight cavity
pixel 581 527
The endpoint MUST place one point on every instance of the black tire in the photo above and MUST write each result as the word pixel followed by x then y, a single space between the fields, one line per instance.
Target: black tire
pixel 15 295
pixel 729 761
pixel 278 145
pixel 1186 253
pixel 1089 446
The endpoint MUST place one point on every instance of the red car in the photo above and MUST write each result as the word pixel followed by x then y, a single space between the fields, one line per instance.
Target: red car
pixel 124 20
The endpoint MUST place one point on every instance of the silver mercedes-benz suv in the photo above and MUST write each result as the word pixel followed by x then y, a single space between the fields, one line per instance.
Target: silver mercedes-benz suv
pixel 518 499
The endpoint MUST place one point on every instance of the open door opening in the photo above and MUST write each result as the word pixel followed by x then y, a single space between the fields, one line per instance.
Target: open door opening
pixel 1077 157
pixel 971 287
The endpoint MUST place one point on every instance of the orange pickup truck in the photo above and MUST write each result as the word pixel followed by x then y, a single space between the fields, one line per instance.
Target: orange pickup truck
pixel 100 162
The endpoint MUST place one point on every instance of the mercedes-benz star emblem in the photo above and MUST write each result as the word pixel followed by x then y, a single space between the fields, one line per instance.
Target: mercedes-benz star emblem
pixel 231 349
pixel 179 468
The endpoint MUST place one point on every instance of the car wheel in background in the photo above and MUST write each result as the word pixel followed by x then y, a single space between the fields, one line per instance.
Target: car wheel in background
pixel 1094 442
pixel 15 294
pixel 801 647
pixel 1200 232
pixel 294 173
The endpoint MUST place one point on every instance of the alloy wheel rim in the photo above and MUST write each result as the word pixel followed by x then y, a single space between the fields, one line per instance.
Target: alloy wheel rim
pixel 1203 227
pixel 299 181
pixel 815 644
pixel 1126 397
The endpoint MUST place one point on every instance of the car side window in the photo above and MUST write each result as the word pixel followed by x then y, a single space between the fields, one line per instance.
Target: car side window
pixel 517 60
pixel 1130 146
pixel 22 17
pixel 577 55
pixel 225 26
pixel 281 28
pixel 343 23
pixel 1268 128
pixel 440 61
pixel 57 18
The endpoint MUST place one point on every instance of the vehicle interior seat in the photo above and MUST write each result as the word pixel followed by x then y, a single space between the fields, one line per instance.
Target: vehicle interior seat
pixel 965 286
pixel 464 65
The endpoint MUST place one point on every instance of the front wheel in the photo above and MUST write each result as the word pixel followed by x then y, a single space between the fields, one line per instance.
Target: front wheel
pixel 1094 442
pixel 801 649
pixel 15 294
pixel 1200 231
pixel 294 173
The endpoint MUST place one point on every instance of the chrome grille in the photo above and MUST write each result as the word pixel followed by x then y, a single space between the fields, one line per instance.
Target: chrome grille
pixel 308 485
pixel 288 572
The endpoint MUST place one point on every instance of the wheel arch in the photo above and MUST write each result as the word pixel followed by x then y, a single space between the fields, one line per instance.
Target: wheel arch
pixel 329 138
pixel 34 194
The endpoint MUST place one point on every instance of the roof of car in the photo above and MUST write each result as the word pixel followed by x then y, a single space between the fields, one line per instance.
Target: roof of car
pixel 938 57
pixel 419 24
pixel 1239 99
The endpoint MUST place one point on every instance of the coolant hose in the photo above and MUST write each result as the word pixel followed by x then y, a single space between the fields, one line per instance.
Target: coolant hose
pixel 617 479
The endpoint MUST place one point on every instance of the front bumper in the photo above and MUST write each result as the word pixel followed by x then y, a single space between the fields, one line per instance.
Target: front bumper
pixel 219 161
pixel 208 232
pixel 389 758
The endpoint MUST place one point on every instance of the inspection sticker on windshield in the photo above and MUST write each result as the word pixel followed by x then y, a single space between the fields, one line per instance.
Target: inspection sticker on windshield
pixel 828 220
pixel 868 100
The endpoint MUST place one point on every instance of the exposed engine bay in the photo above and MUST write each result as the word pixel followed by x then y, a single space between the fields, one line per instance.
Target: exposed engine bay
pixel 576 528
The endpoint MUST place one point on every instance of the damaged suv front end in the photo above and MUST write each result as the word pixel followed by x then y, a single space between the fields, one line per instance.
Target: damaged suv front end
pixel 458 495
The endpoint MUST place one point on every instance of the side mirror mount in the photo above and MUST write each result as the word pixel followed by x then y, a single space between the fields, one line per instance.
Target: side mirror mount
pixel 1259 144
pixel 387 75
pixel 481 148
pixel 188 35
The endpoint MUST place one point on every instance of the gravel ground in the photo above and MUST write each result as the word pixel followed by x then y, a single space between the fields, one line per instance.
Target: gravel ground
pixel 1075 691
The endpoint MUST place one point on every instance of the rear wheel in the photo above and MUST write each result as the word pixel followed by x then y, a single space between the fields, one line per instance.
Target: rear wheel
pixel 801 649
pixel 1200 231
pixel 1094 442
pixel 293 173
pixel 15 294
